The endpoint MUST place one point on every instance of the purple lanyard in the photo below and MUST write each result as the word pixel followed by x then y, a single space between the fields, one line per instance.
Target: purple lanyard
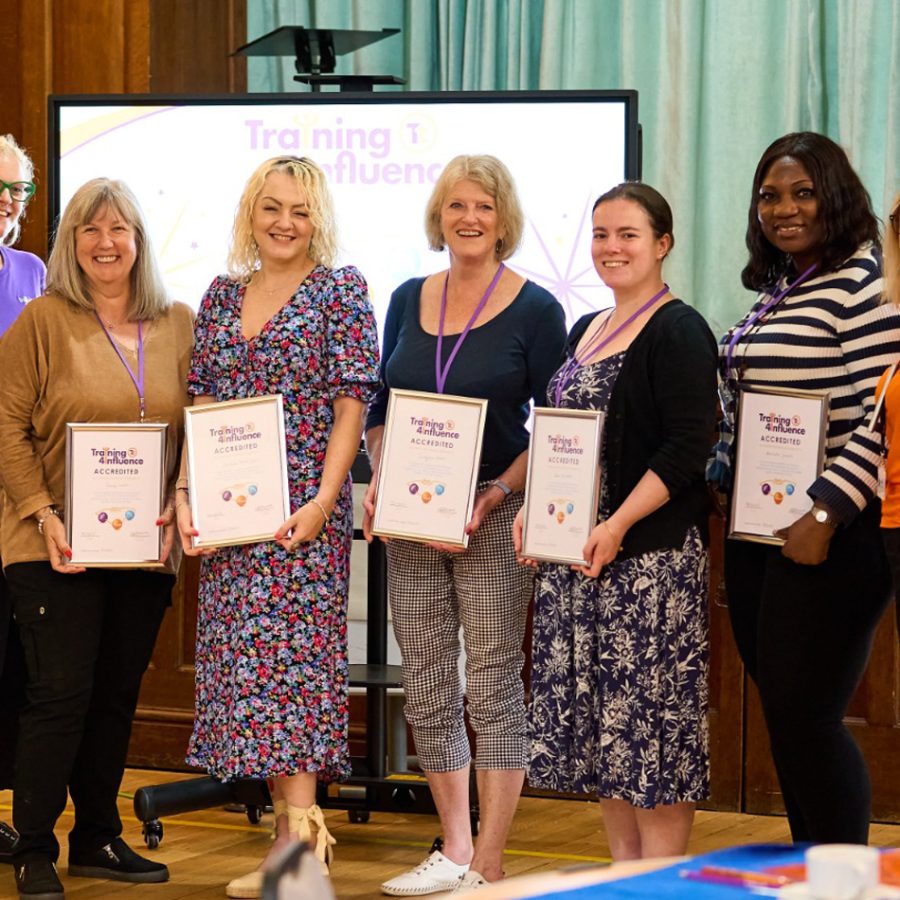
pixel 595 345
pixel 753 319
pixel 441 376
pixel 139 381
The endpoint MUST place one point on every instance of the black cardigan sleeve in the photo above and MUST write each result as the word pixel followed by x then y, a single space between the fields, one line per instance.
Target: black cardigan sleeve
pixel 683 380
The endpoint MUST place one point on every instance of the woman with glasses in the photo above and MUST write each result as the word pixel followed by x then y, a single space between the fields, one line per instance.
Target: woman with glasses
pixel 804 613
pixel 21 279
pixel 272 667
pixel 888 395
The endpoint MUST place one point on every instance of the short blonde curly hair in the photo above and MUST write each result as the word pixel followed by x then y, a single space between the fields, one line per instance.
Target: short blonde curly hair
pixel 493 178
pixel 243 258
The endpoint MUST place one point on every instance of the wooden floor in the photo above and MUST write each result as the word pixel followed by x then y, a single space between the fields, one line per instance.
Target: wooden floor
pixel 207 848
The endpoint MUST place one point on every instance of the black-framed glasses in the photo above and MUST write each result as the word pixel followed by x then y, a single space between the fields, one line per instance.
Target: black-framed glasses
pixel 20 191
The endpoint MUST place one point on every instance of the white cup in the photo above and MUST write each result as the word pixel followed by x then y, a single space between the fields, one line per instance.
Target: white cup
pixel 841 871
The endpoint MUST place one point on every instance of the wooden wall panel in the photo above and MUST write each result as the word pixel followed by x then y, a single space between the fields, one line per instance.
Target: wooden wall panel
pixel 108 46
pixel 192 43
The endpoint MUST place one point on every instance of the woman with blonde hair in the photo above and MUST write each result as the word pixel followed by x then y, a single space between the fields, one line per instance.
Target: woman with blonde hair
pixel 104 344
pixel 272 668
pixel 476 329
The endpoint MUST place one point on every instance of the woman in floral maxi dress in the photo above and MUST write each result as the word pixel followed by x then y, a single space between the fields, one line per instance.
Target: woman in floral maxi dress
pixel 272 670
pixel 619 682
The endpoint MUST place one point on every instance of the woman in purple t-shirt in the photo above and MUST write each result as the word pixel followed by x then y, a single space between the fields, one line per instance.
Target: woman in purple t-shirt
pixel 21 274
pixel 21 279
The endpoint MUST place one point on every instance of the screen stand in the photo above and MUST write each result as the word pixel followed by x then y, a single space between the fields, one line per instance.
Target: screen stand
pixel 315 51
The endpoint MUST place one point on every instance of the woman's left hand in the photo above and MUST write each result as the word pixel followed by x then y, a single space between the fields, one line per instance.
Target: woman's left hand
pixel 304 525
pixel 601 548
pixel 806 540
pixel 167 521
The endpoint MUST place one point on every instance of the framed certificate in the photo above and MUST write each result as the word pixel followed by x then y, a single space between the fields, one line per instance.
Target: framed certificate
pixel 562 490
pixel 237 470
pixel 428 472
pixel 779 453
pixel 115 491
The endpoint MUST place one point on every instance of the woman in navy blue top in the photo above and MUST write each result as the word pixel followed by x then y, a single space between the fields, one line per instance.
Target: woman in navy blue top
pixel 514 345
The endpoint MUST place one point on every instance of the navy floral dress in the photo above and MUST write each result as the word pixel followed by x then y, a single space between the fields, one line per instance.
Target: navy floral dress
pixel 272 669
pixel 619 686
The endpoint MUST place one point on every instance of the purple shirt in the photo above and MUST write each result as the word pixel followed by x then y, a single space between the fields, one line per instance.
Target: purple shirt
pixel 21 280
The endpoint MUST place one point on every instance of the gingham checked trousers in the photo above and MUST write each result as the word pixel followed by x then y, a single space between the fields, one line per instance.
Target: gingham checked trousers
pixel 484 590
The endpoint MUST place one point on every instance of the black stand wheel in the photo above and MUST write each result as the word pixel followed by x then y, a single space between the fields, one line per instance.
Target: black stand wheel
pixel 358 816
pixel 153 833
pixel 254 814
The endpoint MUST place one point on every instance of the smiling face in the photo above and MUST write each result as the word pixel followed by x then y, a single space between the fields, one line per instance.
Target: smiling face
pixel 106 250
pixel 788 211
pixel 627 253
pixel 10 210
pixel 469 221
pixel 281 224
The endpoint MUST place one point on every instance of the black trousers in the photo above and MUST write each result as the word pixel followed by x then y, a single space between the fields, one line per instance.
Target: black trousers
pixel 804 634
pixel 87 640
pixel 891 538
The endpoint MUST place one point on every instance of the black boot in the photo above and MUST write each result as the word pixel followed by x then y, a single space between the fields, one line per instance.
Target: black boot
pixel 118 862
pixel 36 879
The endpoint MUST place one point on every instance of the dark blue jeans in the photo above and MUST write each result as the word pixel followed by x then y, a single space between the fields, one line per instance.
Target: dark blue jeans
pixel 87 640
pixel 804 634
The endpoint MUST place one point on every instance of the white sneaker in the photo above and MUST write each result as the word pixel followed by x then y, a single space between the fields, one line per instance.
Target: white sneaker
pixel 432 876
pixel 471 881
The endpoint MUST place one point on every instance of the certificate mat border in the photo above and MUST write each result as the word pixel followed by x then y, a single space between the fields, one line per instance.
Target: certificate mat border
pixel 824 398
pixel 192 413
pixel 383 464
pixel 115 427
pixel 591 512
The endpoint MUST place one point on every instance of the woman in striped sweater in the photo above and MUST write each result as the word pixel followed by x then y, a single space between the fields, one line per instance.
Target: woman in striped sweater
pixel 804 613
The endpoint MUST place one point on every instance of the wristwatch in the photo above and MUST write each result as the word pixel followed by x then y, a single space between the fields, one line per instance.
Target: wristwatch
pixel 823 517
pixel 507 490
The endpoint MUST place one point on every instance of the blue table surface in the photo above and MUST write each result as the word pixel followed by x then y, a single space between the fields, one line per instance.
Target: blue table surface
pixel 668 882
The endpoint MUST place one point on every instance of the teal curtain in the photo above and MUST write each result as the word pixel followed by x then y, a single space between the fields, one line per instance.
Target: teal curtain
pixel 717 80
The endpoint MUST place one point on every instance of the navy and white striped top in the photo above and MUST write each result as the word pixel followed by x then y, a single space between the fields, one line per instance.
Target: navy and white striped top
pixel 832 333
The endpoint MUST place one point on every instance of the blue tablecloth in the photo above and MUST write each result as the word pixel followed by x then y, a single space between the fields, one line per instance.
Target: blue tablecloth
pixel 668 883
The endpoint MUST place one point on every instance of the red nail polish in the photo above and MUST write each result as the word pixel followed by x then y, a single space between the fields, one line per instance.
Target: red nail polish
pixel 159 521
pixel 69 554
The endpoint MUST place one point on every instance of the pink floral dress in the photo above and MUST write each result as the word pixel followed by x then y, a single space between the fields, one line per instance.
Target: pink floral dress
pixel 272 669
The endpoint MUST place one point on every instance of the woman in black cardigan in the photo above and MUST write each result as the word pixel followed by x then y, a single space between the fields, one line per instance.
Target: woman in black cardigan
pixel 619 683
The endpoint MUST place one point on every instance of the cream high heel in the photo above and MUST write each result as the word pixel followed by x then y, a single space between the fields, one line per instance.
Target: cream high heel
pixel 249 886
pixel 302 822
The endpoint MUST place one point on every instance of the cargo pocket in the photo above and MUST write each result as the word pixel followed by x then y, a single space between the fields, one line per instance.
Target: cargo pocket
pixel 32 616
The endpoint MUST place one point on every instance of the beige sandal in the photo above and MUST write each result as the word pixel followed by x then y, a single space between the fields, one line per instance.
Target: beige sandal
pixel 302 822
pixel 249 886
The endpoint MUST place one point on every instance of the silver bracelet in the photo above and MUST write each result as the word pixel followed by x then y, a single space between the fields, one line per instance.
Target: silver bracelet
pixel 40 522
pixel 321 508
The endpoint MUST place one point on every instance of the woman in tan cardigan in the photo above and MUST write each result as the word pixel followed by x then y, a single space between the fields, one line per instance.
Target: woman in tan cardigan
pixel 104 344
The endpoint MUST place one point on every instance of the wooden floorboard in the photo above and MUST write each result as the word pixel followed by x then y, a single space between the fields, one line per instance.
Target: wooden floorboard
pixel 205 849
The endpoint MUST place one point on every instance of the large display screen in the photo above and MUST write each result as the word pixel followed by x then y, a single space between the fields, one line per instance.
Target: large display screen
pixel 187 159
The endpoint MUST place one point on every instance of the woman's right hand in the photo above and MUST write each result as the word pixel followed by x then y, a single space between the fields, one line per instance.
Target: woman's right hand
pixel 185 523
pixel 517 528
pixel 58 549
